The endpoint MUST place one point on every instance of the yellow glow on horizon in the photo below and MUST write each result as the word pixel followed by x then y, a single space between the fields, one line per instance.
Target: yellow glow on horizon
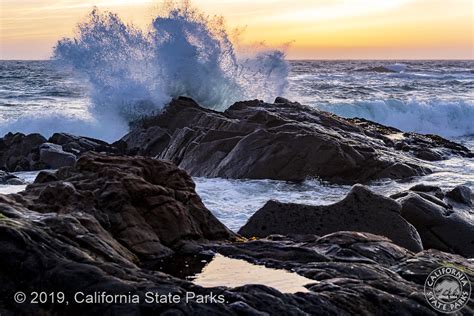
pixel 318 29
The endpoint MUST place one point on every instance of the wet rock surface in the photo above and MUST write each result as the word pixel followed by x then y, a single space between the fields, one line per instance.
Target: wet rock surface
pixel 282 141
pixel 10 179
pixel 53 156
pixel 461 194
pixel 440 225
pixel 99 226
pixel 80 144
pixel 361 210
pixel 147 205
pixel 354 273
pixel 423 217
pixel 20 152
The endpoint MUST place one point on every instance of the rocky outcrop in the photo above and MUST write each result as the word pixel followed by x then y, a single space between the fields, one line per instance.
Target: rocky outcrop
pixel 19 152
pixel 102 225
pixel 461 194
pixel 361 210
pixel 356 273
pixel 283 141
pixel 80 144
pixel 427 147
pixel 9 179
pixel 423 217
pixel 55 157
pixel 147 205
pixel 440 225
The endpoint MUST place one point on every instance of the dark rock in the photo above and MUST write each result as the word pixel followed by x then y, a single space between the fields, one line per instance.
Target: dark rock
pixel 461 194
pixel 434 190
pixel 82 231
pixel 440 227
pixel 281 100
pixel 425 147
pixel 148 142
pixel 146 204
pixel 282 141
pixel 10 179
pixel 80 144
pixel 428 155
pixel 55 157
pixel 361 210
pixel 46 176
pixel 19 151
pixel 363 273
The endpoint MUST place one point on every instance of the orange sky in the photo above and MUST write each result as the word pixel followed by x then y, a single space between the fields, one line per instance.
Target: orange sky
pixel 317 29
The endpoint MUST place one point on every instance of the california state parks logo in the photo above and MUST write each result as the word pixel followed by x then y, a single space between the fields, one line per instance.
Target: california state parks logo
pixel 447 289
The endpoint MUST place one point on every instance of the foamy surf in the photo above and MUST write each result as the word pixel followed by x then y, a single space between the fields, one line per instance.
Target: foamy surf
pixel 445 118
pixel 106 128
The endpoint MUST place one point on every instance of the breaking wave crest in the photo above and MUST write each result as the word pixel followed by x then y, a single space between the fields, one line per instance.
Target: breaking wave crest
pixel 445 118
pixel 133 73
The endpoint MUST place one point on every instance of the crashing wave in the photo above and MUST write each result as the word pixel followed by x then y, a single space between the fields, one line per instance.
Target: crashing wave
pixel 445 118
pixel 133 72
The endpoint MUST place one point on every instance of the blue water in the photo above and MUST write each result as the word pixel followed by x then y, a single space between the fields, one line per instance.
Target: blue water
pixel 422 96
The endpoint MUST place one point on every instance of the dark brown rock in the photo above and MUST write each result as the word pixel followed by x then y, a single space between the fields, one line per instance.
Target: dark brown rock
pixel 283 141
pixel 80 144
pixel 440 225
pixel 361 210
pixel 148 205
pixel 10 179
pixel 81 229
pixel 363 273
pixel 53 156
pixel 18 152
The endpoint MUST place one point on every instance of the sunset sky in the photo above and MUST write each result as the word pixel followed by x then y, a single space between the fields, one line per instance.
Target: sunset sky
pixel 316 29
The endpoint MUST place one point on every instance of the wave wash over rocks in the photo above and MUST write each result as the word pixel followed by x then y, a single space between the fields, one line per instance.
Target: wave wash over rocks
pixel 133 73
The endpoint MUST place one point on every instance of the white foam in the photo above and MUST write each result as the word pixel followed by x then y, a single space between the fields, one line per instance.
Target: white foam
pixel 108 128
pixel 445 118
pixel 133 72
pixel 396 67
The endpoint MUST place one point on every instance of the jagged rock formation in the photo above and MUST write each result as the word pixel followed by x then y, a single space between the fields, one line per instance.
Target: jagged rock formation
pixel 282 141
pixel 100 225
pixel 19 152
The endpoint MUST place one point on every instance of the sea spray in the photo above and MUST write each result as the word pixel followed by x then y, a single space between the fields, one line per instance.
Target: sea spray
pixel 133 73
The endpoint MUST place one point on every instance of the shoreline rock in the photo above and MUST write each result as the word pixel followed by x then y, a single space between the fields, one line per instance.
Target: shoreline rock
pixel 421 218
pixel 94 227
pixel 251 139
pixel 20 152
pixel 101 223
pixel 361 211
pixel 281 141
pixel 10 179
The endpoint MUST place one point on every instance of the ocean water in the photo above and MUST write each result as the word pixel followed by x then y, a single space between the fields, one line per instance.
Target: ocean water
pixel 421 96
